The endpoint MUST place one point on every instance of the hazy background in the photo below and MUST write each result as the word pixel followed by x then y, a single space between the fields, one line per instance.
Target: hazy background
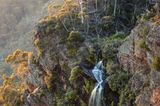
pixel 17 20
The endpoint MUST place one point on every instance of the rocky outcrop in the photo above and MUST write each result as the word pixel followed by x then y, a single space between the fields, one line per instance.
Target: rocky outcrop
pixel 139 55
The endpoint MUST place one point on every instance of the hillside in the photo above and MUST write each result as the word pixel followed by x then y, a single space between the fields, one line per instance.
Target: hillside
pixel 17 20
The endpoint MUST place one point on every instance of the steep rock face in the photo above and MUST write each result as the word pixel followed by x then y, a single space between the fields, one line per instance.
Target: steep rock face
pixel 139 55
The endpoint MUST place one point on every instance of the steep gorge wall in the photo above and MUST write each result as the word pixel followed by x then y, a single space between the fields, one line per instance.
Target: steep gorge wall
pixel 59 72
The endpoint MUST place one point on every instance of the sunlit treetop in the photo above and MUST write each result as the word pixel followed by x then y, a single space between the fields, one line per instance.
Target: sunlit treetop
pixel 69 6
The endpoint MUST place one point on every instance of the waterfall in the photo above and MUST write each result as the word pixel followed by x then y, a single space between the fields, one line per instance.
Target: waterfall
pixel 96 98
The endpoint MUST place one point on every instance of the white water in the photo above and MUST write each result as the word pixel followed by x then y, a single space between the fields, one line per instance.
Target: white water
pixel 96 98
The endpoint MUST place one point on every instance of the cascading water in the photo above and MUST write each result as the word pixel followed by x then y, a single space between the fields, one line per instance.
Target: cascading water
pixel 96 98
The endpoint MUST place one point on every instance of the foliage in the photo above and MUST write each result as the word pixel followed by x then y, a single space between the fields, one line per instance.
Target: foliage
pixel 156 63
pixel 118 80
pixel 127 97
pixel 70 95
pixel 75 36
pixel 143 45
pixel 74 40
pixel 88 86
pixel 110 45
pixel 13 86
pixel 19 61
pixel 49 82
pixel 75 72
pixel 144 32
pixel 68 7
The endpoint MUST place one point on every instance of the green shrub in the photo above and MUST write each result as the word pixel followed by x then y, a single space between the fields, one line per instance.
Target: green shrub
pixel 88 86
pixel 118 80
pixel 72 52
pixel 75 36
pixel 74 74
pixel 127 97
pixel 156 63
pixel 70 95
pixel 143 45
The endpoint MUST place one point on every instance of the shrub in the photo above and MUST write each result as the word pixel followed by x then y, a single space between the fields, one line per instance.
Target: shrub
pixel 143 45
pixel 70 95
pixel 74 74
pixel 118 81
pixel 49 82
pixel 156 63
pixel 126 97
pixel 75 36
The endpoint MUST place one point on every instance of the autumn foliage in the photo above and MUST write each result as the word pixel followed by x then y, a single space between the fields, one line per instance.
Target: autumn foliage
pixel 11 91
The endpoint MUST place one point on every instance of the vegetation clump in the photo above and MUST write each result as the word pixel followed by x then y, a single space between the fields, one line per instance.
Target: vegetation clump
pixel 127 97
pixel 118 81
pixel 75 73
pixel 14 85
pixel 70 95
pixel 75 36
pixel 49 82
pixel 156 63
pixel 74 40
pixel 143 45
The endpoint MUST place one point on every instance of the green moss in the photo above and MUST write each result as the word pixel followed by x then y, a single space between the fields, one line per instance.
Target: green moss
pixel 70 95
pixel 143 45
pixel 72 52
pixel 74 74
pixel 144 31
pixel 127 97
pixel 75 36
pixel 156 63
pixel 39 51
pixel 88 86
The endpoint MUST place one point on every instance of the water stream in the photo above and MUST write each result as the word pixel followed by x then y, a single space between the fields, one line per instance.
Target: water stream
pixel 96 98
